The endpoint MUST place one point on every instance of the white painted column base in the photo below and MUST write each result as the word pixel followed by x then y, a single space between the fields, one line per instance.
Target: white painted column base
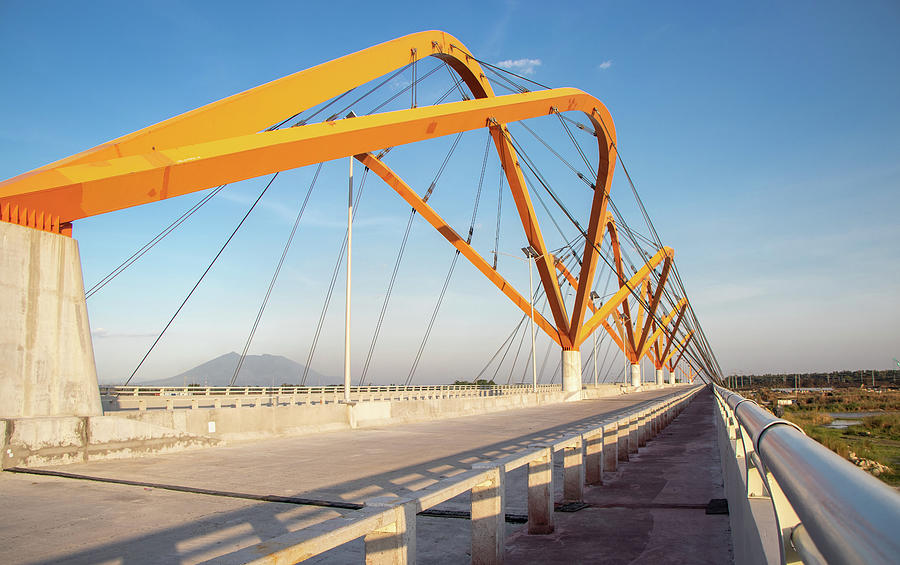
pixel 571 374
pixel 660 378
pixel 636 374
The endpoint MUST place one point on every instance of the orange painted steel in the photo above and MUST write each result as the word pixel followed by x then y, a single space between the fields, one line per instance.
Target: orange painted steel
pixel 662 331
pixel 660 360
pixel 258 108
pixel 224 142
pixel 428 214
pixel 681 348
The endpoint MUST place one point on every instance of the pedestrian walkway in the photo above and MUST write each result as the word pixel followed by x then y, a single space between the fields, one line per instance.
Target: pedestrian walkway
pixel 652 510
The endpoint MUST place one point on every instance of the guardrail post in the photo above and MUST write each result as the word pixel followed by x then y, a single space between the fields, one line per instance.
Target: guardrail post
pixel 540 493
pixel 489 518
pixel 217 403
pixel 395 543
pixel 787 520
pixel 195 404
pixel 593 456
pixel 238 402
pixel 610 445
pixel 643 428
pixel 633 433
pixel 170 404
pixel 142 405
pixel 624 436
pixel 573 472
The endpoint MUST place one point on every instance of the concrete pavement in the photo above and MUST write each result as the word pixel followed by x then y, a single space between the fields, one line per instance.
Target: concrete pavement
pixel 57 520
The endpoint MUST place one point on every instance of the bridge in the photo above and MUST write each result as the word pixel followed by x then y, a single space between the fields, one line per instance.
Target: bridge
pixel 635 466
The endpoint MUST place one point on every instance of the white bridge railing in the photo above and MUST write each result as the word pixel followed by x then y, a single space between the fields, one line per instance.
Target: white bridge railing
pixel 146 397
pixel 388 524
pixel 826 510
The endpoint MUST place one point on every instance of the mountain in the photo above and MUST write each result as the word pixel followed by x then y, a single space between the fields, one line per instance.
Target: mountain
pixel 257 370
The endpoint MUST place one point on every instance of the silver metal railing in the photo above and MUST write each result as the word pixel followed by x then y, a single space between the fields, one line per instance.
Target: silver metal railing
pixel 151 397
pixel 827 509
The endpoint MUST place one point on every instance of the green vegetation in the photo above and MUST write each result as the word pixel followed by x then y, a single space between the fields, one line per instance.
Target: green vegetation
pixel 873 442
pixel 479 382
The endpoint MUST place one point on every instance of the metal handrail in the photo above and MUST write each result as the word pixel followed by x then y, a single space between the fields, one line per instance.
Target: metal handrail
pixel 138 390
pixel 849 515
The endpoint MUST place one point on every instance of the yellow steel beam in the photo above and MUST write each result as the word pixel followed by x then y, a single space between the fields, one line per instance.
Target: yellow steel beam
pixel 255 109
pixel 661 330
pixel 682 347
pixel 672 336
pixel 606 138
pixel 621 295
pixel 651 308
pixel 78 191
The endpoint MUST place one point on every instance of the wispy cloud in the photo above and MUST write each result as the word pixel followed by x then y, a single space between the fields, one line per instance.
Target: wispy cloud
pixel 604 65
pixel 522 66
pixel 101 333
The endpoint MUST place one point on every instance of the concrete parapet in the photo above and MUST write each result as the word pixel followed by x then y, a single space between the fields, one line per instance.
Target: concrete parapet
pixel 46 356
pixel 35 442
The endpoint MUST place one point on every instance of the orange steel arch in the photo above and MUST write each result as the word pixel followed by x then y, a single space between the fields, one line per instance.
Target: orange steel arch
pixel 222 143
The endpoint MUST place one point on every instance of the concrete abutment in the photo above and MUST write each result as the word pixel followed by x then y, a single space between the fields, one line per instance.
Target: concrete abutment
pixel 46 355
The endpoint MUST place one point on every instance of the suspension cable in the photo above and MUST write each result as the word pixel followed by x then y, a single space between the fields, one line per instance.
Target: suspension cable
pixel 265 301
pixel 197 284
pixel 150 244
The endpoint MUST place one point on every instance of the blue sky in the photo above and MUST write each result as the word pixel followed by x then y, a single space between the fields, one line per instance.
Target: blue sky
pixel 764 139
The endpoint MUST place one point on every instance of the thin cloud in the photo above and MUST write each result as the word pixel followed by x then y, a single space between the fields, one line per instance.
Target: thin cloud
pixel 604 65
pixel 521 66
pixel 102 333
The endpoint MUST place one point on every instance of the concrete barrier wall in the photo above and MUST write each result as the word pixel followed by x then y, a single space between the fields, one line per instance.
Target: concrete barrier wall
pixel 61 440
pixel 754 527
pixel 36 442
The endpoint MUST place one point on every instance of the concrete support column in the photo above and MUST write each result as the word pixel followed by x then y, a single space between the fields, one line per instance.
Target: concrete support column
pixel 46 355
pixel 573 472
pixel 636 374
pixel 540 493
pixel 395 543
pixel 610 446
pixel 571 373
pixel 660 378
pixel 671 378
pixel 489 519
pixel 593 457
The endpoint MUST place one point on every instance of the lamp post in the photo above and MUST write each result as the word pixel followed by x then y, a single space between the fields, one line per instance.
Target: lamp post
pixel 347 310
pixel 594 297
pixel 530 253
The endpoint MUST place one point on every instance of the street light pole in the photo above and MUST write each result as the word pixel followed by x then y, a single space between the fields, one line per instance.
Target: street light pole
pixel 530 253
pixel 347 311
pixel 594 297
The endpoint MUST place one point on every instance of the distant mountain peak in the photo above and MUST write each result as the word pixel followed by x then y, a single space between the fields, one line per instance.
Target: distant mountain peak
pixel 257 370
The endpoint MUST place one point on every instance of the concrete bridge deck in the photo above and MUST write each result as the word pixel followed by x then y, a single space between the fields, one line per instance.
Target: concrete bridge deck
pixel 64 520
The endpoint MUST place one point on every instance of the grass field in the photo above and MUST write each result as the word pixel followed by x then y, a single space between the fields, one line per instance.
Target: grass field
pixel 876 438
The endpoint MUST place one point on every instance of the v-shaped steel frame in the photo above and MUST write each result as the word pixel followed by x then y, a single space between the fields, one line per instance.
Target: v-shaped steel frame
pixel 225 142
